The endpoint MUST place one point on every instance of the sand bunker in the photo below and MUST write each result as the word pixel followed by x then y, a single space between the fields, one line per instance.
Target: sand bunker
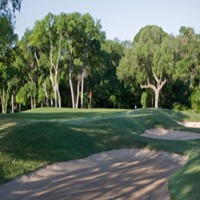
pixel 190 124
pixel 118 174
pixel 167 134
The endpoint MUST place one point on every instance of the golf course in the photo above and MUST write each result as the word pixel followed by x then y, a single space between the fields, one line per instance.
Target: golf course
pixel 37 138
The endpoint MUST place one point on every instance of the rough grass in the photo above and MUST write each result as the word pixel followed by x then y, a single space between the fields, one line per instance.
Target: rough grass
pixel 37 137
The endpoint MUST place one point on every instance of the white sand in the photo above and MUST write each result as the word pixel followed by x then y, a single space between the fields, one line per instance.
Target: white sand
pixel 190 124
pixel 168 134
pixel 119 174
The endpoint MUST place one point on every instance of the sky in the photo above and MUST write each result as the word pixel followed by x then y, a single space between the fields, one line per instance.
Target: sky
pixel 120 19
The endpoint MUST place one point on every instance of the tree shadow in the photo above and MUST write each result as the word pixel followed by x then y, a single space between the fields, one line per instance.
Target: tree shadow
pixel 40 143
pixel 109 175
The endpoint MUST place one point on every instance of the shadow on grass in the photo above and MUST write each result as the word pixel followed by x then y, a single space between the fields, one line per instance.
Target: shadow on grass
pixel 24 148
pixel 34 145
pixel 185 184
pixel 27 146
pixel 61 113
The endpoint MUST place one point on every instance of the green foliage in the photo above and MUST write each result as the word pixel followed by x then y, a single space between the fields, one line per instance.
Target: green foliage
pixel 195 99
pixel 109 92
pixel 7 40
pixel 16 5
pixel 151 53
pixel 113 70
pixel 179 106
pixel 144 100
pixel 70 43
pixel 175 59
pixel 150 61
pixel 187 53
pixel 21 96
pixel 182 186
pixel 8 8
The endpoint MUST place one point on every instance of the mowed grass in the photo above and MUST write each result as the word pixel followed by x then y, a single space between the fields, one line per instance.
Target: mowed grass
pixel 34 138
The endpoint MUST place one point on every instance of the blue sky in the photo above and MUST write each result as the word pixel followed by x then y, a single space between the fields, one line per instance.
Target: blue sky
pixel 120 19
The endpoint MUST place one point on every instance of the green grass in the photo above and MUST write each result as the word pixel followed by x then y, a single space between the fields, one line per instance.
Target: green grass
pixel 34 138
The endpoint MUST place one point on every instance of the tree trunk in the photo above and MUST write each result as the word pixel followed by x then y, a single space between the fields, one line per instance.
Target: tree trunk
pixel 56 91
pixel 71 82
pixel 46 94
pixel 78 92
pixel 4 102
pixel 20 107
pixel 51 102
pixel 34 103
pixel 71 89
pixel 52 75
pixel 59 97
pixel 82 88
pixel 31 102
pixel 83 73
pixel 55 97
pixel 12 103
pixel 54 69
pixel 156 88
pixel 157 94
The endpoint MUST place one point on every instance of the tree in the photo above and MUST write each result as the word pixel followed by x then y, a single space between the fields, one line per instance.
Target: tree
pixel 27 65
pixel 149 60
pixel 83 37
pixel 16 5
pixel 92 36
pixel 7 40
pixel 108 90
pixel 187 45
pixel 7 43
pixel 8 8
pixel 71 32
pixel 48 39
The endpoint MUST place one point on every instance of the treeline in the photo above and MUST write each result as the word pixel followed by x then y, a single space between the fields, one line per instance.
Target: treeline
pixel 66 59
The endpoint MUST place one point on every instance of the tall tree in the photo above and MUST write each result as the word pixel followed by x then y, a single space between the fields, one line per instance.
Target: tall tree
pixel 69 26
pixel 8 8
pixel 92 36
pixel 28 56
pixel 48 39
pixel 149 60
pixel 7 39
pixel 107 89
pixel 187 45
pixel 83 37
pixel 7 43
pixel 16 4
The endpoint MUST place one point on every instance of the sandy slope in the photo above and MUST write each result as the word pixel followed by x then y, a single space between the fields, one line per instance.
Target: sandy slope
pixel 168 134
pixel 119 174
pixel 190 124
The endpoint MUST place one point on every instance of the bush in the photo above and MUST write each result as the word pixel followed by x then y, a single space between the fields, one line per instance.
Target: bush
pixel 179 106
pixel 143 100
pixel 195 100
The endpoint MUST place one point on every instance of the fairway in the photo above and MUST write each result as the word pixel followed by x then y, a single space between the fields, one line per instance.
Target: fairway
pixel 35 138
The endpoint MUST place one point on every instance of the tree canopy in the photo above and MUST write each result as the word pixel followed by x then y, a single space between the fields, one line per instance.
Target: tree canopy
pixel 150 60
pixel 8 7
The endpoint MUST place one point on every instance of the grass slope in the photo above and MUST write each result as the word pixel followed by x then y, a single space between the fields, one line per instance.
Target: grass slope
pixel 35 138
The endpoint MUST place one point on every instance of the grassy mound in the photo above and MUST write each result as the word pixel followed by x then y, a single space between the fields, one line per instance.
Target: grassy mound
pixel 38 137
